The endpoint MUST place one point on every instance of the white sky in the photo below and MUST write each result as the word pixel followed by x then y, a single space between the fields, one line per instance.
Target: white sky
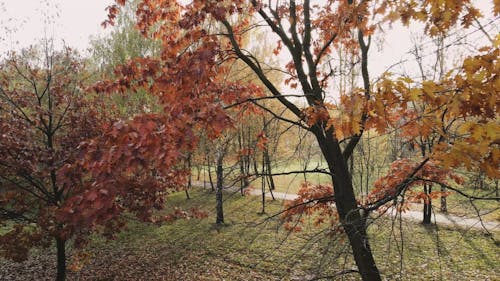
pixel 24 22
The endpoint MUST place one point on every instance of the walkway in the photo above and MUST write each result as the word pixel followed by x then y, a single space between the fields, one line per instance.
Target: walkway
pixel 443 219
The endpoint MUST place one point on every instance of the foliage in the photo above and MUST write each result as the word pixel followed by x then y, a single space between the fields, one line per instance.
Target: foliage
pixel 312 199
pixel 404 169
pixel 459 109
pixel 44 115
pixel 199 39
pixel 122 43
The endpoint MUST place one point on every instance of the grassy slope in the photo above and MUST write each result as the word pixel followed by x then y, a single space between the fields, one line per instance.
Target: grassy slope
pixel 250 247
pixel 457 204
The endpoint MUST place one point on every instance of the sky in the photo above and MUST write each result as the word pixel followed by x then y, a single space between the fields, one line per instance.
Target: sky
pixel 24 22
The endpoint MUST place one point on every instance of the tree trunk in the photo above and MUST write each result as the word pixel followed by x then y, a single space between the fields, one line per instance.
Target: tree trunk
pixel 198 172
pixel 61 259
pixel 218 194
pixel 189 177
pixel 427 212
pixel 242 161
pixel 352 221
pixel 263 185
pixel 210 172
pixel 351 166
pixel 497 193
pixel 269 170
pixel 270 189
pixel 444 205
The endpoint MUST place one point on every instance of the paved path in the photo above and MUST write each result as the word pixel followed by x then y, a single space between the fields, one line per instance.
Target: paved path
pixel 444 219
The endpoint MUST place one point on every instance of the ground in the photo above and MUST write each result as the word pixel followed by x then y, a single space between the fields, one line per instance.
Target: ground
pixel 252 246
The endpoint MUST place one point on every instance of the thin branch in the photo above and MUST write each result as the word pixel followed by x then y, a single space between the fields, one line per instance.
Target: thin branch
pixel 265 80
pixel 313 171
pixel 343 272
pixel 399 189
pixel 258 99
pixel 471 197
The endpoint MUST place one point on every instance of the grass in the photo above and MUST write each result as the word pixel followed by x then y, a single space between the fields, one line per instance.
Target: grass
pixel 252 246
pixel 457 204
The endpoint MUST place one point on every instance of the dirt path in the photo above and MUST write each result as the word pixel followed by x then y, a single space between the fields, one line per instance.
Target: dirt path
pixel 443 219
pixel 438 218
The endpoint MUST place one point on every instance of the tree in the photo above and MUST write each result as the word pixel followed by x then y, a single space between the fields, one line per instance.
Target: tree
pixel 44 115
pixel 123 43
pixel 308 32
pixel 69 169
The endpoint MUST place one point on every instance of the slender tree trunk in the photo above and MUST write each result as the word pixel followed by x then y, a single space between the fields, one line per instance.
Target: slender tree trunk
pixel 204 179
pixel 427 205
pixel 263 185
pixel 242 162
pixel 444 205
pixel 189 177
pixel 255 165
pixel 198 172
pixel 61 259
pixel 267 160
pixel 352 221
pixel 218 195
pixel 497 193
pixel 270 189
pixel 210 172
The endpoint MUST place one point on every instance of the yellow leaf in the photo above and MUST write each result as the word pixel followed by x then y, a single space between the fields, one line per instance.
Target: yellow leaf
pixel 415 94
pixel 492 131
pixel 406 79
pixel 466 128
pixel 429 88
pixel 356 127
pixel 496 41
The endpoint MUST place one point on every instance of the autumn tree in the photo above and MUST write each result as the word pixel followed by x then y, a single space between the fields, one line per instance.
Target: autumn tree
pixel 44 115
pixel 307 32
pixel 123 43
pixel 70 168
pixel 115 48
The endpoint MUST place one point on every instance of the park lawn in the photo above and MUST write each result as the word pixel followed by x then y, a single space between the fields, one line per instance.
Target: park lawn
pixel 460 205
pixel 252 246
pixel 457 204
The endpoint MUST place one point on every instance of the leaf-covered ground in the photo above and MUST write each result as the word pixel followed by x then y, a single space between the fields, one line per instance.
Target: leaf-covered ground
pixel 252 246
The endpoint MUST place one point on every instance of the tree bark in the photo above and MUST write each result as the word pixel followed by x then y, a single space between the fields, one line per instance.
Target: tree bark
pixel 496 188
pixel 427 212
pixel 268 168
pixel 242 161
pixel 218 194
pixel 352 221
pixel 210 172
pixel 444 205
pixel 263 186
pixel 61 259
pixel 189 168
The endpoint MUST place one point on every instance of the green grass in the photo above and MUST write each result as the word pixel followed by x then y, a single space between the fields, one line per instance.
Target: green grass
pixel 457 204
pixel 291 183
pixel 462 206
pixel 252 246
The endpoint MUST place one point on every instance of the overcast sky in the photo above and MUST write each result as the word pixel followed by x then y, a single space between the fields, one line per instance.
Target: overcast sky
pixel 23 22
